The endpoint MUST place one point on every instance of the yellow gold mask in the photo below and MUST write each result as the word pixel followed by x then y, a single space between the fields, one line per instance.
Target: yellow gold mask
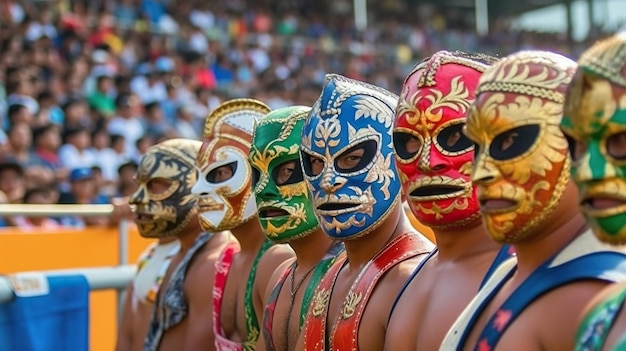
pixel 521 166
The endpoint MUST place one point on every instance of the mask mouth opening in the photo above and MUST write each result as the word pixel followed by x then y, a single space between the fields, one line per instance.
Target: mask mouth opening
pixel 437 191
pixel 272 212
pixel 337 206
pixel 497 205
pixel 143 217
pixel 602 203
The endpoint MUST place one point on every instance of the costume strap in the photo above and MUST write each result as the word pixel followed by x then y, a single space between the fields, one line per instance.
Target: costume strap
pixel 346 329
pixel 252 323
pixel 602 266
pixel 315 323
pixel 222 268
pixel 335 251
pixel 270 308
pixel 408 281
pixel 504 254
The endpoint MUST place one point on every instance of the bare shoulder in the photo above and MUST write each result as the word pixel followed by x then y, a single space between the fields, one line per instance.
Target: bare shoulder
pixel 274 257
pixel 556 315
pixel 276 276
pixel 403 270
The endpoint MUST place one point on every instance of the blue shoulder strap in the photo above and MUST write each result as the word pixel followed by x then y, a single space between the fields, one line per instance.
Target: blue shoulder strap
pixel 504 254
pixel 408 281
pixel 604 266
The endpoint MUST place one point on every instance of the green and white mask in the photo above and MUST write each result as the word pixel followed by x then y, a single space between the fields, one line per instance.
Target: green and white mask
pixel 594 123
pixel 284 207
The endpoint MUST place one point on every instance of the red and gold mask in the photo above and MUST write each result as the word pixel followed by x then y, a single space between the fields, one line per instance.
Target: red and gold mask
pixel 433 155
pixel 521 164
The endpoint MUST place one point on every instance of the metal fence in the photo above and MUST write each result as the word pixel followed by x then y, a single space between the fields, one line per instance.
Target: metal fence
pixel 99 278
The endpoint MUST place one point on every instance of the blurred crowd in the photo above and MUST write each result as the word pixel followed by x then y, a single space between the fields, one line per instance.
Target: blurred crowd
pixel 87 86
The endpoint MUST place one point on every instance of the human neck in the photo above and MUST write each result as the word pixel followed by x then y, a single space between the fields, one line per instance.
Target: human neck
pixel 189 234
pixel 533 252
pixel 249 235
pixel 311 248
pixel 361 250
pixel 460 243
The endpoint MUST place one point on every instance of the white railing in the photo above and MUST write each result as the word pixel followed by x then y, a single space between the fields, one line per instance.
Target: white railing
pixel 99 278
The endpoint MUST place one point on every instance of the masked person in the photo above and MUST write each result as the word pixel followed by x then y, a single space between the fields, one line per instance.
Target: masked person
pixel 434 161
pixel 166 208
pixel 596 130
pixel 226 202
pixel 286 215
pixel 527 200
pixel 348 162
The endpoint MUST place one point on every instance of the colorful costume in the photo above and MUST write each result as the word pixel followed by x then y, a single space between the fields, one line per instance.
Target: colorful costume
pixel 347 158
pixel 165 213
pixel 284 207
pixel 434 157
pixel 593 121
pixel 522 162
pixel 227 204
pixel 151 269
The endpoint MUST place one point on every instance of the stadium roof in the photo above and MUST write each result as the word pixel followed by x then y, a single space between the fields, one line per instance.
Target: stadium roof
pixel 500 8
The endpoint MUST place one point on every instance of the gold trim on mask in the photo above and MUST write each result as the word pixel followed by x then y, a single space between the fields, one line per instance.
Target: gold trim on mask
pixel 233 106
pixel 426 120
pixel 428 78
pixel 606 58
pixel 440 180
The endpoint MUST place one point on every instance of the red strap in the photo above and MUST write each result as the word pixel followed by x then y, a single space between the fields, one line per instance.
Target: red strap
pixel 315 324
pixel 346 329
pixel 222 268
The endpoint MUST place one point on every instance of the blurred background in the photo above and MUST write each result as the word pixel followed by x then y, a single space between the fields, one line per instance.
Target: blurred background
pixel 87 85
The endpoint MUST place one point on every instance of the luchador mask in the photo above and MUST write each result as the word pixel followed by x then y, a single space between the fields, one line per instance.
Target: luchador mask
pixel 282 198
pixel 595 123
pixel 224 184
pixel 434 156
pixel 521 164
pixel 164 202
pixel 347 157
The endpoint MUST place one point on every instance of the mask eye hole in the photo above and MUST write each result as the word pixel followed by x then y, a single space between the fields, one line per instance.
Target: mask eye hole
pixel 312 165
pixel 406 145
pixel 576 148
pixel 452 138
pixel 256 175
pixel 158 185
pixel 222 173
pixel 616 146
pixel 514 142
pixel 287 173
pixel 357 157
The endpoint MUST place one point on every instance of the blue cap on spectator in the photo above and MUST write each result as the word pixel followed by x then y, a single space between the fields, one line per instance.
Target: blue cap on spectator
pixel 80 174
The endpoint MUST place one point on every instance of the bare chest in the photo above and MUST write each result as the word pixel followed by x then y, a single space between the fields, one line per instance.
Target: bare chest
pixel 287 313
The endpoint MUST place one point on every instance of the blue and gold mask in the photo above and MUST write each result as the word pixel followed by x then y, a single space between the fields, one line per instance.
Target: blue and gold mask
pixel 347 157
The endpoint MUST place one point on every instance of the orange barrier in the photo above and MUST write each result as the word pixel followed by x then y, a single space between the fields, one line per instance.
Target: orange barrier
pixel 69 249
